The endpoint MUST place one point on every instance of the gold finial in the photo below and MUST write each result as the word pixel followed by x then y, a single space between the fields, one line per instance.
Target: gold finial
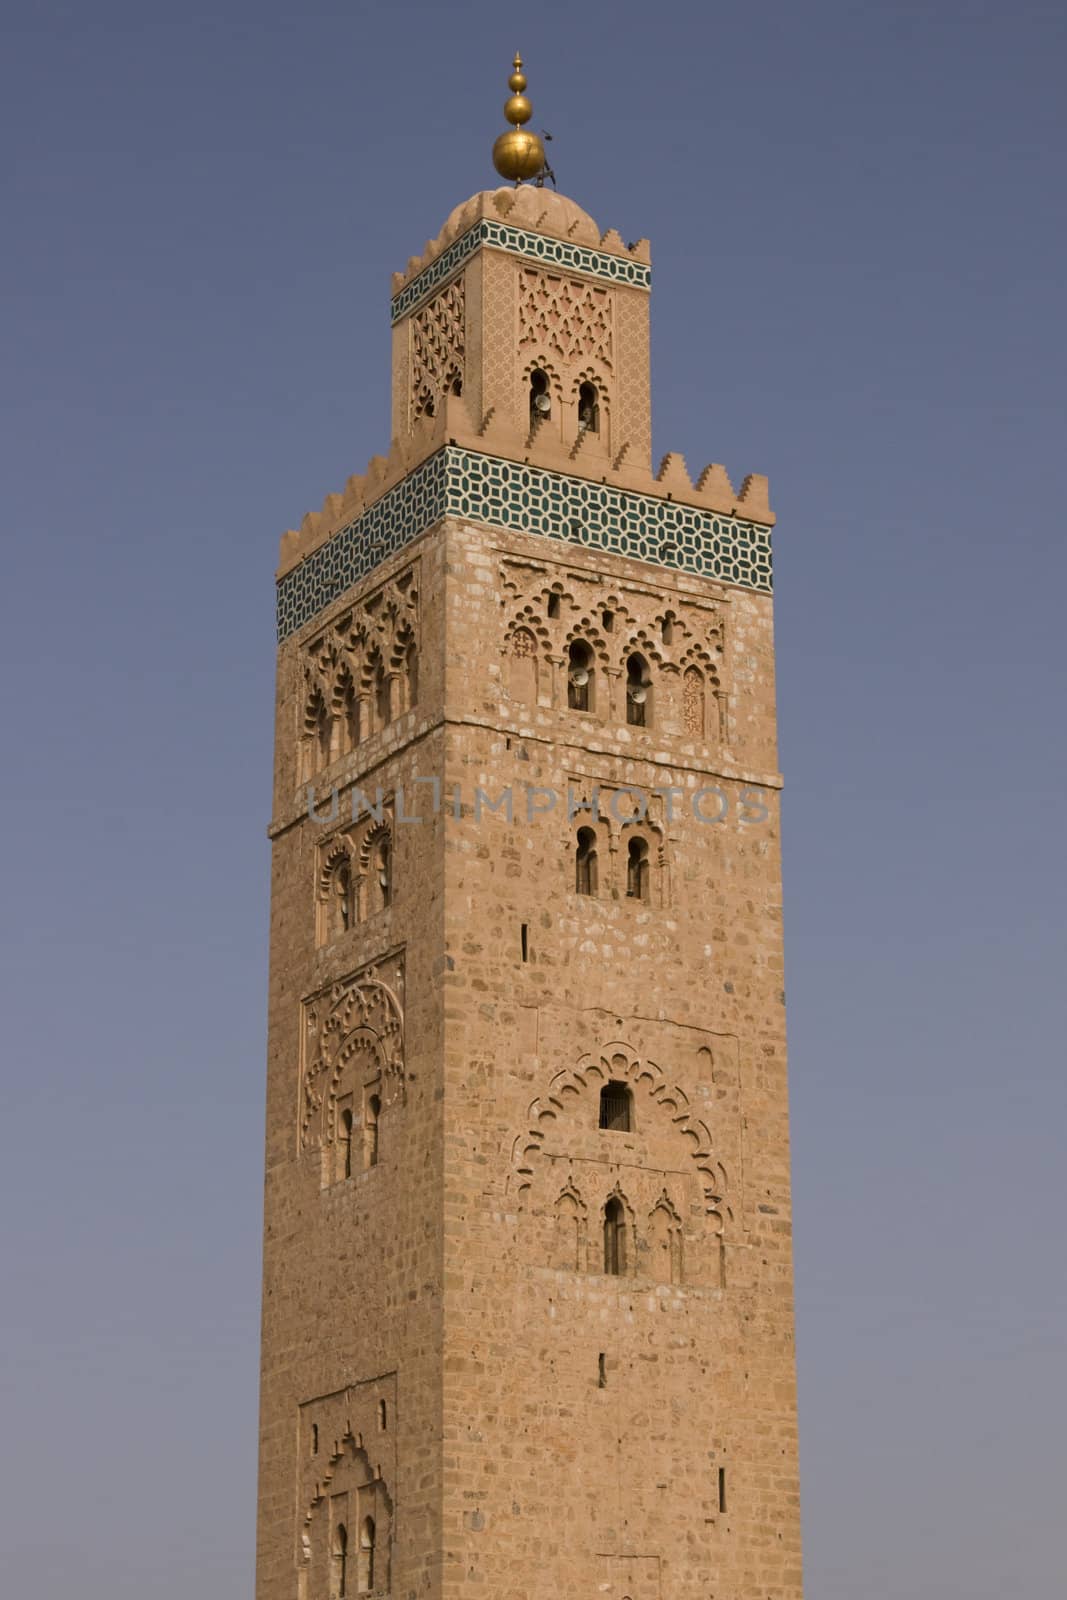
pixel 518 153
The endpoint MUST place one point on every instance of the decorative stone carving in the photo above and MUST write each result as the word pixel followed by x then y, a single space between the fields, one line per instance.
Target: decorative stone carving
pixel 347 1445
pixel 438 350
pixel 569 318
pixel 576 1087
pixel 361 673
pixel 353 1036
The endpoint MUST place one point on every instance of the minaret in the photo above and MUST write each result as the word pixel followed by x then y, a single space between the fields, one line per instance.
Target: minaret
pixel 527 1314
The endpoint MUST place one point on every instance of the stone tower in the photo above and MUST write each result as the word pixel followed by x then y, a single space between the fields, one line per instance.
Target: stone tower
pixel 527 1316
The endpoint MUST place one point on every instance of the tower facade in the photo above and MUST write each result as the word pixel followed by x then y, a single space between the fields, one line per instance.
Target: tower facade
pixel 527 1316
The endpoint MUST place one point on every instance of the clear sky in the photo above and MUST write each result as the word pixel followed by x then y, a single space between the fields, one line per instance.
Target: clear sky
pixel 858 230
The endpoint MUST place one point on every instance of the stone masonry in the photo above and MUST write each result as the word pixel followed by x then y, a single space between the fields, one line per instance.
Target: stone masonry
pixel 527 1306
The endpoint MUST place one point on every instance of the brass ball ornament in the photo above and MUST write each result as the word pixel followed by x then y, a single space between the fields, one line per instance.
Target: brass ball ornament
pixel 518 153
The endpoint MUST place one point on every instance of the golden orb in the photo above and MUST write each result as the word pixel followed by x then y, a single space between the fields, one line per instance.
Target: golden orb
pixel 518 153
pixel 518 109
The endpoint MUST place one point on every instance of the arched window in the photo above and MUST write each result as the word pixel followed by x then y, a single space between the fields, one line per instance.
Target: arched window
pixel 318 736
pixel 616 1106
pixel 638 692
pixel 340 1561
pixel 344 1136
pixel 588 409
pixel 383 871
pixel 637 869
pixel 585 862
pixel 335 905
pixel 376 881
pixel 371 1119
pixel 540 397
pixel 581 678
pixel 324 732
pixel 341 910
pixel 366 1555
pixel 614 1237
pixel 693 701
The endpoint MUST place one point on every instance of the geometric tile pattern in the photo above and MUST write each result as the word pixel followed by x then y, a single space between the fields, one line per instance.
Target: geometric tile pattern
pixel 506 494
pixel 537 246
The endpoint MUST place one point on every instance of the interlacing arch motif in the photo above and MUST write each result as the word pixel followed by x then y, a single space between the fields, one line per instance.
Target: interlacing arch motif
pixel 617 1061
pixel 357 1022
pixel 438 349
pixel 350 1469
pixel 675 652
pixel 351 669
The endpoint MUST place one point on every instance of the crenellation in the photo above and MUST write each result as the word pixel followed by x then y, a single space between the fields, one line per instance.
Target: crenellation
pixel 540 211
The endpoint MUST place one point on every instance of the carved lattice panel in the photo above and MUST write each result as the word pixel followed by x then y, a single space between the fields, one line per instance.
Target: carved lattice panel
pixel 438 349
pixel 566 318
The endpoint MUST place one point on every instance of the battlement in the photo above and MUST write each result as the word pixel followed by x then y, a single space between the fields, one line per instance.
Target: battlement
pixel 446 467
pixel 711 491
pixel 541 211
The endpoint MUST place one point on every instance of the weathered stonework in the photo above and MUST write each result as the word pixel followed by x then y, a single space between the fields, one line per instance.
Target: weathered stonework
pixel 527 1321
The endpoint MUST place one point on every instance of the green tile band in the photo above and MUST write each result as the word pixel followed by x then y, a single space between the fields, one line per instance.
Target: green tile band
pixel 536 246
pixel 507 494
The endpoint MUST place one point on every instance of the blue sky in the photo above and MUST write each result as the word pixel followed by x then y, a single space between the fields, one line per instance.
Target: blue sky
pixel 859 248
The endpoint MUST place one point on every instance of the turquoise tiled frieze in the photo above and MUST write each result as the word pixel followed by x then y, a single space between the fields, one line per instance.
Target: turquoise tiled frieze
pixel 415 504
pixel 507 494
pixel 554 252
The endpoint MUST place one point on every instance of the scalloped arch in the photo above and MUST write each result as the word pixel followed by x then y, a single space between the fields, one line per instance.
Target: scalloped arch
pixel 363 1018
pixel 618 1060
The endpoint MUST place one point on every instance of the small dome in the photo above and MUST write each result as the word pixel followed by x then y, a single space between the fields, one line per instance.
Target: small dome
pixel 541 210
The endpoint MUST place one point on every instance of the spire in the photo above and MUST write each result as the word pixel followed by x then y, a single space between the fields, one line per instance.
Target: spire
pixel 518 153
